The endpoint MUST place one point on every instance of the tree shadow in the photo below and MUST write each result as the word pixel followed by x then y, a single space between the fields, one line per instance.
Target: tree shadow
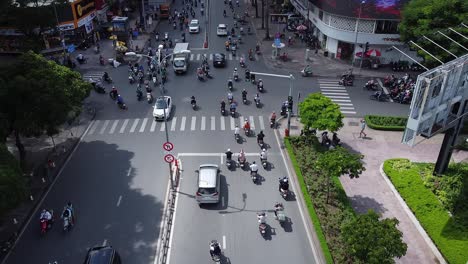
pixel 361 204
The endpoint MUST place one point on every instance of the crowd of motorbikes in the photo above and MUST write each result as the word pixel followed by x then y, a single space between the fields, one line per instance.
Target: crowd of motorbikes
pixel 401 89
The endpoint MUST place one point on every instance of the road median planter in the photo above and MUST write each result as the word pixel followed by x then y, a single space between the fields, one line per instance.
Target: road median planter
pixel 386 123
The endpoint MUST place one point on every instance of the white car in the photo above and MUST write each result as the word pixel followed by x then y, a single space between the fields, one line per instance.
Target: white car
pixel 221 30
pixel 163 104
pixel 194 26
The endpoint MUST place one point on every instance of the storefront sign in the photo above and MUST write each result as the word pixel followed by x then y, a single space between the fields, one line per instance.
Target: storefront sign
pixel 81 8
pixel 68 26
pixel 392 39
pixel 86 19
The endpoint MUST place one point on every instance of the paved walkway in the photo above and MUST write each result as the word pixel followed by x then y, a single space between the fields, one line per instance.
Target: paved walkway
pixel 322 66
pixel 371 190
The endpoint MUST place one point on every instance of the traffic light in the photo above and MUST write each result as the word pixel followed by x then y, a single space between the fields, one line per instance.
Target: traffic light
pixel 366 48
pixel 290 103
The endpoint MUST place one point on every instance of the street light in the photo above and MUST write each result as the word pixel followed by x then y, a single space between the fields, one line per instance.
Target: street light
pixel 357 28
pixel 131 53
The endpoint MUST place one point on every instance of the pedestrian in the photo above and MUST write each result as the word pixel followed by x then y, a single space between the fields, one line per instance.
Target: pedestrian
pixel 363 126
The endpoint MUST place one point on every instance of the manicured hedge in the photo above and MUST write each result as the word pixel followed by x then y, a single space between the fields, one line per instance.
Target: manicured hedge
pixel 309 204
pixel 450 234
pixel 389 123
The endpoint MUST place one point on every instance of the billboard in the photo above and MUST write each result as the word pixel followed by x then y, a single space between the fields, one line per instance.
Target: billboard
pixel 440 99
pixel 371 9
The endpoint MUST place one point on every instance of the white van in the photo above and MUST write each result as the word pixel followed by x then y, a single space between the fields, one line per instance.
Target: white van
pixel 208 189
pixel 180 59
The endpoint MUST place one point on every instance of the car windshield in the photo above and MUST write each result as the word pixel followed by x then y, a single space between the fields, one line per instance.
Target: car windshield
pixel 179 63
pixel 193 24
pixel 218 57
pixel 221 27
pixel 161 104
pixel 206 191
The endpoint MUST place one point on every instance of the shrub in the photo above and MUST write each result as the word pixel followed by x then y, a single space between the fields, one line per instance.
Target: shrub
pixel 389 123
pixel 12 182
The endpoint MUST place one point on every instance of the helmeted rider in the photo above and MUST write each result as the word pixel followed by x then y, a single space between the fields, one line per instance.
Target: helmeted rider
pixel 228 154
pixel 283 184
pixel 215 250
pixel 263 155
pixel 244 94
pixel 241 157
pixel 68 212
pixel 253 167
pixel 236 130
pixel 192 100
pixel 246 125
pixel 260 137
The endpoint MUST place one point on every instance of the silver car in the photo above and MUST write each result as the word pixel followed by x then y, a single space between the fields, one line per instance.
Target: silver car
pixel 208 189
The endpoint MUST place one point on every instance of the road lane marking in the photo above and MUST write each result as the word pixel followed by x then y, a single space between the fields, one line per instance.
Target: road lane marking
pixel 114 125
pixel 337 97
pixel 262 124
pixel 347 107
pixel 213 125
pixel 124 125
pixel 135 123
pixel 224 242
pixel 198 56
pixel 203 123
pixel 119 200
pixel 252 122
pixel 230 56
pixel 194 154
pixel 337 93
pixel 340 100
pixel 93 128
pixel 192 125
pixel 153 126
pixel 129 171
pixel 163 126
pixel 191 57
pixel 142 128
pixel 182 124
pixel 233 124
pixel 211 57
pixel 106 123
pixel 344 104
pixel 173 123
pixel 221 159
pixel 223 124
pixel 348 112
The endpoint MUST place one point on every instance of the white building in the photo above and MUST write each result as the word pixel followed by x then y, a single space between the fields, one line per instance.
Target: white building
pixel 339 24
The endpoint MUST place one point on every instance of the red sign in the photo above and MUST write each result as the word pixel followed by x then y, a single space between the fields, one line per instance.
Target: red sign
pixel 169 158
pixel 168 146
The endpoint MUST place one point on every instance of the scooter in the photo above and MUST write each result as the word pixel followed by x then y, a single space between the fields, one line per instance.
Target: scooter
pixel 149 98
pixel 254 176
pixel 307 73
pixel 257 103
pixel 131 79
pixel 264 163
pixel 139 94
pixel 99 88
pixel 244 99
pixel 223 111
pixel 233 113
pixel 260 87
pixel 272 123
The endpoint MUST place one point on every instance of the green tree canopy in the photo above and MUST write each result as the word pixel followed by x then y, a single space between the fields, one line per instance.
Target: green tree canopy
pixel 372 241
pixel 426 17
pixel 37 97
pixel 318 111
pixel 12 182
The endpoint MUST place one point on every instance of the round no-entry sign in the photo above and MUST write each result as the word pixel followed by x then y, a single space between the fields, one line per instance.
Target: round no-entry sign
pixel 168 146
pixel 169 158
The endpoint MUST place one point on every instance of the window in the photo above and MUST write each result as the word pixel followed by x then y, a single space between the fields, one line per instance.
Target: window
pixel 386 27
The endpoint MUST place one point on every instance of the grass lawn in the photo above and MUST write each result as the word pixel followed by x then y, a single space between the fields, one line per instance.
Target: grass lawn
pixel 450 234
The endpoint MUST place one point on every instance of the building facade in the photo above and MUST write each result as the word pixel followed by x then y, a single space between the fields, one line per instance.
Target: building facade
pixel 343 27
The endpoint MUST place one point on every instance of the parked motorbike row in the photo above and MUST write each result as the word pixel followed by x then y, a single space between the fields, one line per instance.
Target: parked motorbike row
pixel 401 89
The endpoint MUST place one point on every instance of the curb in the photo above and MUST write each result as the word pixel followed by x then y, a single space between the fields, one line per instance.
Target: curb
pixel 413 218
pixel 46 190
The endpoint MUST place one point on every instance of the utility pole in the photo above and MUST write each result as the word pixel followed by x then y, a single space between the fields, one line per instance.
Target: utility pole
pixel 263 14
pixel 256 8
pixel 267 17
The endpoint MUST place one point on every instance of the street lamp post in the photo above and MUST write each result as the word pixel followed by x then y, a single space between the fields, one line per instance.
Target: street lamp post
pixel 357 30
pixel 165 116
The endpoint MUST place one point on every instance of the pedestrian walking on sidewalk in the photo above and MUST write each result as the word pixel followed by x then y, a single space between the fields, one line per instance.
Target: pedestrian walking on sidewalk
pixel 363 126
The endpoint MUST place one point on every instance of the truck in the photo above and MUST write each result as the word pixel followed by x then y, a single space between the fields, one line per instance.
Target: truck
pixel 180 57
pixel 164 10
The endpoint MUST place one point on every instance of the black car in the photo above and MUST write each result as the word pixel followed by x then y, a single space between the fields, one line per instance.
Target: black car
pixel 102 255
pixel 219 60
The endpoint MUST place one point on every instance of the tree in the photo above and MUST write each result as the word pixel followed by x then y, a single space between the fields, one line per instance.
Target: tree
pixel 425 17
pixel 336 162
pixel 372 241
pixel 13 188
pixel 318 111
pixel 37 97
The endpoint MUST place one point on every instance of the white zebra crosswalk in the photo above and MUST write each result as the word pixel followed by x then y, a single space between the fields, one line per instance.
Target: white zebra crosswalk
pixel 200 56
pixel 338 94
pixel 95 75
pixel 182 124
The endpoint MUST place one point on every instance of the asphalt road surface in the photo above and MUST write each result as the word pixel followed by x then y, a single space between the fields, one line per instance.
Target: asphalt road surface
pixel 117 179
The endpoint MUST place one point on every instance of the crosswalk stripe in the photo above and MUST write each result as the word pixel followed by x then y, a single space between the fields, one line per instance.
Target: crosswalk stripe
pixel 143 125
pixel 262 124
pixel 222 121
pixel 198 56
pixel 252 122
pixel 135 123
pixel 153 126
pixel 337 97
pixel 233 125
pixel 213 125
pixel 256 57
pixel 205 55
pixel 173 123
pixel 211 57
pixel 191 56
pixel 347 107
pixel 106 123
pixel 192 125
pixel 163 126
pixel 343 104
pixel 114 125
pixel 230 56
pixel 327 93
pixel 182 124
pixel 203 123
pixel 91 131
pixel 348 112
pixel 332 88
pixel 122 129
pixel 341 100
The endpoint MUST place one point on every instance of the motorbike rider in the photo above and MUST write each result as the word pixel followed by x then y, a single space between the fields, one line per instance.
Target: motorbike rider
pixel 235 74
pixel 253 167
pixel 215 250
pixel 228 155
pixel 260 83
pixel 283 184
pixel 261 218
pixel 263 155
pixel 114 92
pixel 46 215
pixel 223 105
pixel 192 100
pixel 229 83
pixel 244 94
pixel 257 98
pixel 273 117
pixel 236 131
pixel 241 157
pixel 246 125
pixel 260 137
pixel 68 212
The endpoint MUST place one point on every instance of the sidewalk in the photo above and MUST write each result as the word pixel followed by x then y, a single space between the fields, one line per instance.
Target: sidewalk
pixel 40 176
pixel 371 190
pixel 321 66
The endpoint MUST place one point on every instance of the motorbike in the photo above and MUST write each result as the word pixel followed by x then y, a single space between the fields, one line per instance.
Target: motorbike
pixel 233 112
pixel 107 79
pixel 382 97
pixel 247 131
pixel 66 223
pixel 149 98
pixel 46 225
pixel 244 99
pixel 284 193
pixel 261 226
pixel 139 94
pixel 229 163
pixel 306 73
pixel 113 96
pixel 101 61
pixel 230 85
pixel 242 64
pixel 200 77
pixel 257 103
pixel 194 105
pixel 237 137
pixel 260 87
pixel 261 143
pixel 99 88
pixel 371 86
pixel 236 77
pixel 254 176
pixel 155 81
pixel 279 214
pixel 272 123
pixel 223 111
pixel 131 79
pixel 242 163
pixel 122 106
pixel 264 163
pixel 346 81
